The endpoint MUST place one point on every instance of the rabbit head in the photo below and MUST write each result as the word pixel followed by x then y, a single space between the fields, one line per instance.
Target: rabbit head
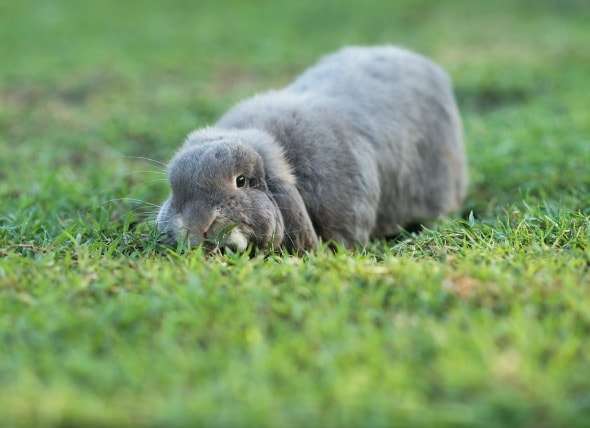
pixel 233 188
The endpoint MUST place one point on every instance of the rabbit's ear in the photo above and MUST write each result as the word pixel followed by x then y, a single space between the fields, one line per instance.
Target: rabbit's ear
pixel 299 234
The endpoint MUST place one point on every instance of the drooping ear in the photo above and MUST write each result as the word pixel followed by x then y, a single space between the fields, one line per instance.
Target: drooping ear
pixel 299 234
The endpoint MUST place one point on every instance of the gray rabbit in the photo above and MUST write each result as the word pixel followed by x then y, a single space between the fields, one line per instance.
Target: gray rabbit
pixel 365 142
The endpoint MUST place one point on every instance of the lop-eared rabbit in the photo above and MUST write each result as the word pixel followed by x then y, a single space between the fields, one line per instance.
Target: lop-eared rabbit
pixel 365 142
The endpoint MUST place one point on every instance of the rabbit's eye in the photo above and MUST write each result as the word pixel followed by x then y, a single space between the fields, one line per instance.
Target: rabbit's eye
pixel 241 181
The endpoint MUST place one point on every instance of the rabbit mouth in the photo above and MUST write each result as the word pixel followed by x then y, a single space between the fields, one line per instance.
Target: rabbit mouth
pixel 216 239
pixel 230 237
pixel 236 240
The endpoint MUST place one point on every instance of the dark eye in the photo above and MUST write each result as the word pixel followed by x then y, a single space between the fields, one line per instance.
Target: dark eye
pixel 241 181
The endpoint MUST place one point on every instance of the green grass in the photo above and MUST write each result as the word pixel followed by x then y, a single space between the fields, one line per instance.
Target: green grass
pixel 484 321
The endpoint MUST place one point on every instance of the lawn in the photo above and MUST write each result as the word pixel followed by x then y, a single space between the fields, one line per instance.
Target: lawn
pixel 482 321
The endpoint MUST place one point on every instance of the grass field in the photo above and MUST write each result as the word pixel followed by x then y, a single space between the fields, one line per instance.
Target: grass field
pixel 484 321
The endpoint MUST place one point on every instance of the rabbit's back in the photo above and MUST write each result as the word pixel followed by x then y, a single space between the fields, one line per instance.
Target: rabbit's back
pixel 402 106
pixel 374 137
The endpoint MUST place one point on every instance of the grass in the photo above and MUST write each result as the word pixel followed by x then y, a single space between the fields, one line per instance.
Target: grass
pixel 483 321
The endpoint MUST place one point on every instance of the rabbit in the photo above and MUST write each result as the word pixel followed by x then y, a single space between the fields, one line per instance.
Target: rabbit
pixel 362 144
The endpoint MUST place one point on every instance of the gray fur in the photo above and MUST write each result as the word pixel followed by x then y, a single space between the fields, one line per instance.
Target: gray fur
pixel 366 141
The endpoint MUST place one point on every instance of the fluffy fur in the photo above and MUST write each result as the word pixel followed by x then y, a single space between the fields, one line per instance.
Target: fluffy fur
pixel 365 142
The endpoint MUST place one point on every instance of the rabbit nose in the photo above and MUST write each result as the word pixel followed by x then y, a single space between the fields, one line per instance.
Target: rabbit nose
pixel 207 227
pixel 200 220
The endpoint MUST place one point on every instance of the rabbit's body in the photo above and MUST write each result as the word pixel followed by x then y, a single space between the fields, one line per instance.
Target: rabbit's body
pixel 370 140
